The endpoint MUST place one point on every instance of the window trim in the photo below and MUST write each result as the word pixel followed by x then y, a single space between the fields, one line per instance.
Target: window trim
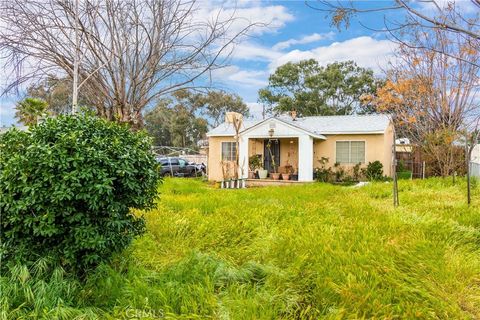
pixel 350 151
pixel 231 153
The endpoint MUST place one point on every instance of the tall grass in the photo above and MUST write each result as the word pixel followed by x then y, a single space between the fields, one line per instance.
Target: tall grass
pixel 303 252
pixel 40 293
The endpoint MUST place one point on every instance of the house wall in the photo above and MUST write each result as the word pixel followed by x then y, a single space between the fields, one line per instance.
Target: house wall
pixel 377 147
pixel 214 166
pixel 476 154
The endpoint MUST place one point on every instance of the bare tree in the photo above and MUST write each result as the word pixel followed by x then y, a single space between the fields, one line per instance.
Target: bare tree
pixel 131 52
pixel 449 16
pixel 432 96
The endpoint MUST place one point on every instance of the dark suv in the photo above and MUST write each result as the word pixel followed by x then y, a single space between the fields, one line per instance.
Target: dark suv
pixel 178 167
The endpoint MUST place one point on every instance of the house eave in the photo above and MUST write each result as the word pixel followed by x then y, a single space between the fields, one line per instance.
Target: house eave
pixel 310 133
pixel 220 135
pixel 353 132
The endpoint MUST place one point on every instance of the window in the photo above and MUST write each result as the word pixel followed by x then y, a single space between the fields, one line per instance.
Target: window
pixel 174 161
pixel 182 162
pixel 350 152
pixel 229 150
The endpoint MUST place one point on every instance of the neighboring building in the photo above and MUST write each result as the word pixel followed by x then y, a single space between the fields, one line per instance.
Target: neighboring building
pixel 475 158
pixel 403 145
pixel 475 161
pixel 300 143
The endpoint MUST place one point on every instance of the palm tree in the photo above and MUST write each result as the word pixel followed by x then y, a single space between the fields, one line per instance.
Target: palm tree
pixel 29 109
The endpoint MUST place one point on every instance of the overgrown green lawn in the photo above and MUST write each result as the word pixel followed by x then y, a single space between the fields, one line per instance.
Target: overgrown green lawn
pixel 312 251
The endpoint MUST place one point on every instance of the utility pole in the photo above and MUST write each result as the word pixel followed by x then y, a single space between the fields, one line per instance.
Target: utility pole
pixel 468 155
pixel 75 62
pixel 394 165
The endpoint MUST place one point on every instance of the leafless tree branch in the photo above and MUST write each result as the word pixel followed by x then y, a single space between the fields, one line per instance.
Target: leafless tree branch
pixel 132 52
pixel 450 17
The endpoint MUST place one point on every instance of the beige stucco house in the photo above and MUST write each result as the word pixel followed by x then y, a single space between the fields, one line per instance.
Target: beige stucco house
pixel 300 143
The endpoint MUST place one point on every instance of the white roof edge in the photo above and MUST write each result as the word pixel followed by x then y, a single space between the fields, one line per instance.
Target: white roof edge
pixel 316 135
pixel 355 132
pixel 220 135
pixel 313 134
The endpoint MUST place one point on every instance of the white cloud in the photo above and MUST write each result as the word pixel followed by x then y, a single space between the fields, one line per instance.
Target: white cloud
pixel 304 40
pixel 266 19
pixel 436 7
pixel 253 51
pixel 365 51
pixel 233 75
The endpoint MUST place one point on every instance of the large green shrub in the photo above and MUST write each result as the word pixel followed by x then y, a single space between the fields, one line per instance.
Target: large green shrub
pixel 374 171
pixel 67 190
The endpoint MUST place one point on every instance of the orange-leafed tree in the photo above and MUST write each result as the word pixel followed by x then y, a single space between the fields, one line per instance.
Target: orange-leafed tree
pixel 431 96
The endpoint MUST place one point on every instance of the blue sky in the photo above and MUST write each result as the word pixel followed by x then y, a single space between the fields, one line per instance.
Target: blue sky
pixel 294 32
pixel 297 32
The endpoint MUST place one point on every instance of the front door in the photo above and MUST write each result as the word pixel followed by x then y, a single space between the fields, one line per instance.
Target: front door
pixel 275 150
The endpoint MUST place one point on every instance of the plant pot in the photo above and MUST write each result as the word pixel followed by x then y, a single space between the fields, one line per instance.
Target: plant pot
pixel 262 174
pixel 294 177
pixel 285 176
pixel 275 176
pixel 251 175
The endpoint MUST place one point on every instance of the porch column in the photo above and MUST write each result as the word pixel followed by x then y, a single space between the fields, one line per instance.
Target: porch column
pixel 305 158
pixel 243 157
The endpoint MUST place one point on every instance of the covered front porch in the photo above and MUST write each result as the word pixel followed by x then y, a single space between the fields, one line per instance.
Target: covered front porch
pixel 281 148
pixel 273 155
pixel 290 157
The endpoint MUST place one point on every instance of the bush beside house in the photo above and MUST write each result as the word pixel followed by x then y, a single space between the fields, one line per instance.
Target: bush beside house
pixel 348 174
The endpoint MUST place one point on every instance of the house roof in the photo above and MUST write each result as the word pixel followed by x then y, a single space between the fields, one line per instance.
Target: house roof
pixel 318 125
pixel 226 129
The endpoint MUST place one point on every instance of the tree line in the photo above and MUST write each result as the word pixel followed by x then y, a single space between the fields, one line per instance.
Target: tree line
pixel 181 120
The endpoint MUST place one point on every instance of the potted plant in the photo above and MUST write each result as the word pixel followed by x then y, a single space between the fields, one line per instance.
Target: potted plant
pixel 254 164
pixel 288 171
pixel 275 175
pixel 294 173
pixel 262 173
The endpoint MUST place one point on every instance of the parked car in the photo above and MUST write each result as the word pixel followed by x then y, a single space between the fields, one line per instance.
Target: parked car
pixel 178 167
